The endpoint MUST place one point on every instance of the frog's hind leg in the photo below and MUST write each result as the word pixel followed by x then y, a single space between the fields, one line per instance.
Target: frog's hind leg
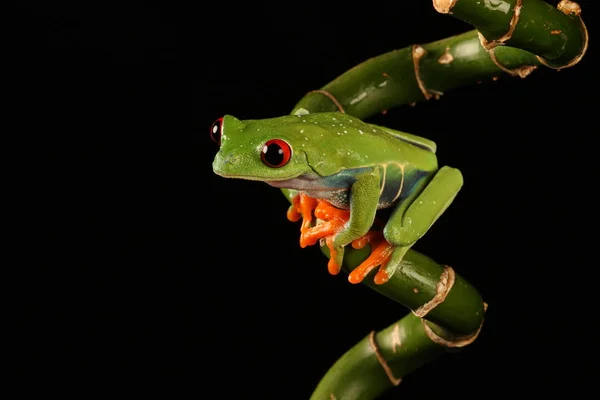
pixel 409 222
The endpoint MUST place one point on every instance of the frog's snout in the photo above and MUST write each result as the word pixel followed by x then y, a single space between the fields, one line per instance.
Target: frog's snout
pixel 231 159
pixel 223 163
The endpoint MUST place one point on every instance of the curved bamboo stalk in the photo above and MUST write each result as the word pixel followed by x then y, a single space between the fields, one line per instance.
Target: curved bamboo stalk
pixel 378 362
pixel 447 312
pixel 415 73
pixel 556 38
pixel 557 35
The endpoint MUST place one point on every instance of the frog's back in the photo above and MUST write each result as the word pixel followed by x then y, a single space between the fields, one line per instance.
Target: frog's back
pixel 343 121
pixel 345 142
pixel 382 144
pixel 418 141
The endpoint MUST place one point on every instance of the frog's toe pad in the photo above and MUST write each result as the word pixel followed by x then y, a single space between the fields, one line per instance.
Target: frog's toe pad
pixel 380 256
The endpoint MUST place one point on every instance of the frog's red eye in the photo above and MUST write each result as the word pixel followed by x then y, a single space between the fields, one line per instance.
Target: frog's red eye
pixel 216 130
pixel 276 153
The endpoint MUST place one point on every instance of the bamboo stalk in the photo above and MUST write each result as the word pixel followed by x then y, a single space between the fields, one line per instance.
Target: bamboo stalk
pixel 378 362
pixel 430 290
pixel 557 35
pixel 447 312
pixel 556 38
pixel 415 73
pixel 511 37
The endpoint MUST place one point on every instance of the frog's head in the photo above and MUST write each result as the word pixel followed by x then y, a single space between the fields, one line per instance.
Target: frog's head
pixel 263 150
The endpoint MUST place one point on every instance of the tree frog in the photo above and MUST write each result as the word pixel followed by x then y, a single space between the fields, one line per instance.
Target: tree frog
pixel 353 165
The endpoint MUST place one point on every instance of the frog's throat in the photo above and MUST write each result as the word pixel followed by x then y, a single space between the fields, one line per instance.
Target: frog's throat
pixel 305 182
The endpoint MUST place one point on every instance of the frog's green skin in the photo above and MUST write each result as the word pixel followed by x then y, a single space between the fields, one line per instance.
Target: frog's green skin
pixel 352 164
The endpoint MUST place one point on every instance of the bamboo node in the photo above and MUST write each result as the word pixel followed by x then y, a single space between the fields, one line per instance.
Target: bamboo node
pixel 442 289
pixel 522 71
pixel 418 52
pixel 569 7
pixel 330 97
pixel 514 20
pixel 444 6
pixel 459 341
pixel 446 58
pixel 395 381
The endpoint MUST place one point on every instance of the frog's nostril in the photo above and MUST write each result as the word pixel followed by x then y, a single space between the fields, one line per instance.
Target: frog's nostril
pixel 232 159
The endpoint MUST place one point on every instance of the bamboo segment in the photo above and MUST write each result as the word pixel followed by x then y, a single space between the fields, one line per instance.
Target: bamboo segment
pixel 379 361
pixel 557 35
pixel 430 290
pixel 511 37
pixel 415 73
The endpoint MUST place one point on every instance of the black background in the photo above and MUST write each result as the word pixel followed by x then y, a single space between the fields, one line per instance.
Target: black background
pixel 151 272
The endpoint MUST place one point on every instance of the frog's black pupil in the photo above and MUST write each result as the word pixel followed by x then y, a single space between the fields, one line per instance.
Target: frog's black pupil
pixel 274 154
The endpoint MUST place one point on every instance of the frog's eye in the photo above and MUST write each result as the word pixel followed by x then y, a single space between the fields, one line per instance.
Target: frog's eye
pixel 276 153
pixel 216 130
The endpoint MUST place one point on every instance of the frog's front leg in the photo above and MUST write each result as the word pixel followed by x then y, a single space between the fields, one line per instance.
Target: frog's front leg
pixel 363 199
pixel 411 219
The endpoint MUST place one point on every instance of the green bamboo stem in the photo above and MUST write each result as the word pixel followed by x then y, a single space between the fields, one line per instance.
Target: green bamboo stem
pixel 555 38
pixel 557 35
pixel 511 37
pixel 447 312
pixel 415 73
pixel 418 281
pixel 378 362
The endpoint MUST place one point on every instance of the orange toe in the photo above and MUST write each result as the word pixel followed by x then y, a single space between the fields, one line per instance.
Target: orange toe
pixel 379 256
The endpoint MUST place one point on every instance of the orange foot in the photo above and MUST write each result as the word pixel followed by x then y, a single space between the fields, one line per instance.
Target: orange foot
pixel 331 220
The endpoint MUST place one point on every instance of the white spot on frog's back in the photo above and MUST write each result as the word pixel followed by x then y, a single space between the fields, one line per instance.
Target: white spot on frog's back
pixel 382 84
